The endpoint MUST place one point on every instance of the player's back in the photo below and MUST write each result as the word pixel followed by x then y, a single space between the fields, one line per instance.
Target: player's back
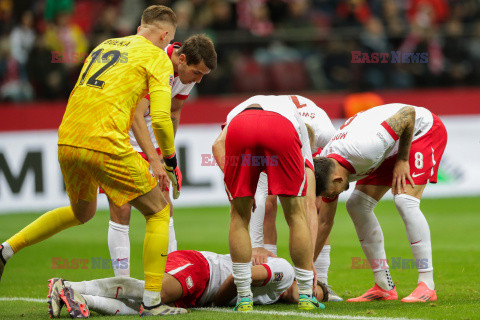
pixel 115 76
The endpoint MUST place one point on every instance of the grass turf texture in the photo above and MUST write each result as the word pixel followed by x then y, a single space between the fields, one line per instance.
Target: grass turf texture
pixel 454 225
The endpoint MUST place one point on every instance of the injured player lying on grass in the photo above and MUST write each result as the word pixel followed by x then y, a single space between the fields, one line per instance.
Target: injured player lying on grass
pixel 192 279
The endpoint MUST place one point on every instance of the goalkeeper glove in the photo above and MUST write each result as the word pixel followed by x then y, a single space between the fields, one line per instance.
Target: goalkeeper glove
pixel 174 173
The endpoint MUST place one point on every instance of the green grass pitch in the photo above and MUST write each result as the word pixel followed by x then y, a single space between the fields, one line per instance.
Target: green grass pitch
pixel 454 224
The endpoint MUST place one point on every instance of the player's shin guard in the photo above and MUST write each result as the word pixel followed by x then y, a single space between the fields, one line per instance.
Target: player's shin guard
pixel 418 234
pixel 155 249
pixel 44 227
pixel 360 208
pixel 119 246
pixel 114 307
pixel 304 281
pixel 322 264
pixel 242 276
pixel 172 240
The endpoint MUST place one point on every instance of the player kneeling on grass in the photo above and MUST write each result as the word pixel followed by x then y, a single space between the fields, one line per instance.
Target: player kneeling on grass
pixel 266 133
pixel 192 279
pixel 393 146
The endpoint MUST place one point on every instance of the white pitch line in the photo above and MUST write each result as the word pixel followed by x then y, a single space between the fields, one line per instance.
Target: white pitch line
pixel 274 313
pixel 305 314
pixel 23 299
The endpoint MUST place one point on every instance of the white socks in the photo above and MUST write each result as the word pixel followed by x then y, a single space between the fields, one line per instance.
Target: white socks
pixel 418 234
pixel 117 287
pixel 242 275
pixel 304 281
pixel 172 241
pixel 7 251
pixel 119 246
pixel 384 279
pixel 360 208
pixel 271 247
pixel 151 298
pixel 322 264
pixel 109 306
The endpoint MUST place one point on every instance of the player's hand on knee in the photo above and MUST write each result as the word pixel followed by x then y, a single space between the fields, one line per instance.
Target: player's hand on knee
pixel 173 172
pixel 160 174
pixel 260 255
pixel 401 173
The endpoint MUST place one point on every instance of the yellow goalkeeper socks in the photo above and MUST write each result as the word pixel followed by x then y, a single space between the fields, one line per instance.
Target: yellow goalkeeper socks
pixel 155 249
pixel 44 227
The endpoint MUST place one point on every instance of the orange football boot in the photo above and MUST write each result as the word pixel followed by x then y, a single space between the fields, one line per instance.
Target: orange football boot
pixel 376 293
pixel 421 294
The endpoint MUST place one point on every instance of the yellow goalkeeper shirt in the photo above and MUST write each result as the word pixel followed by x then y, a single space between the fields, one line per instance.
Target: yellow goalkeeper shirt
pixel 115 76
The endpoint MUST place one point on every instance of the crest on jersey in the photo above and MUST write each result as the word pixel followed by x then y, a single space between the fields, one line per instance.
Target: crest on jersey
pixel 189 282
pixel 278 276
pixel 170 80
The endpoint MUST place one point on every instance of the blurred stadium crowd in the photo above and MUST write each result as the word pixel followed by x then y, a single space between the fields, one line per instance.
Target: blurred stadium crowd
pixel 262 45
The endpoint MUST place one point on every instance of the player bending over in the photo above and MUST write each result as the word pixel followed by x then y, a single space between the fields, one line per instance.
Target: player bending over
pixel 192 279
pixel 94 147
pixel 264 216
pixel 393 146
pixel 193 60
pixel 267 133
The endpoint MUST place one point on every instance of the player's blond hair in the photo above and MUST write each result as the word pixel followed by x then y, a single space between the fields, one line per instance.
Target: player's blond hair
pixel 158 13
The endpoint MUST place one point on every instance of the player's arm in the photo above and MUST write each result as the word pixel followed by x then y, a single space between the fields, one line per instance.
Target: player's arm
pixel 310 205
pixel 326 215
pixel 218 148
pixel 228 290
pixel 177 105
pixel 262 222
pixel 160 113
pixel 160 78
pixel 403 123
pixel 140 131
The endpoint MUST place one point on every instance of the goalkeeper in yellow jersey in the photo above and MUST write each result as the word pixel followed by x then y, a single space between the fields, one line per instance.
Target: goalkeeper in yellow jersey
pixel 94 147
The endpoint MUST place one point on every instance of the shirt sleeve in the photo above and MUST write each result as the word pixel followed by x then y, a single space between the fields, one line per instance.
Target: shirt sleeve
pixel 160 74
pixel 281 278
pixel 160 113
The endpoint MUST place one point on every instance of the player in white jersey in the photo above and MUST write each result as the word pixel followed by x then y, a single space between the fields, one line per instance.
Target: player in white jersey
pixel 193 60
pixel 393 146
pixel 267 133
pixel 192 279
pixel 266 206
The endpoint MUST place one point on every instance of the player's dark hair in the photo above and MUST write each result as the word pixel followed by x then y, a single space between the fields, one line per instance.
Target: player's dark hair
pixel 323 170
pixel 198 48
pixel 158 13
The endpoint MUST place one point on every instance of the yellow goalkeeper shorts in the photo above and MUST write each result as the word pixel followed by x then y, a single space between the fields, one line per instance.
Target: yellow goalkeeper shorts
pixel 123 178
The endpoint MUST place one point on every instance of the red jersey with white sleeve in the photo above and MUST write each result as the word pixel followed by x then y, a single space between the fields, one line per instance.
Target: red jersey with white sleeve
pixel 180 91
pixel 285 106
pixel 365 140
pixel 280 277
